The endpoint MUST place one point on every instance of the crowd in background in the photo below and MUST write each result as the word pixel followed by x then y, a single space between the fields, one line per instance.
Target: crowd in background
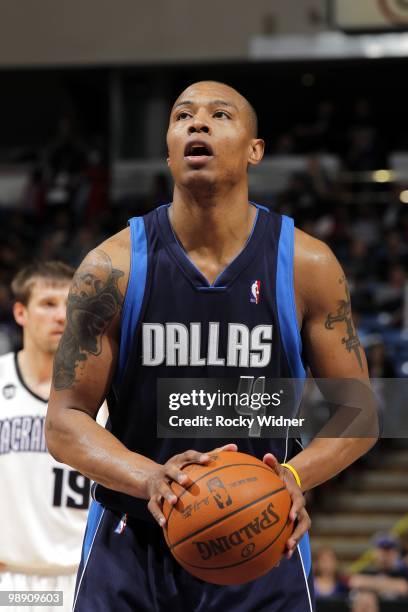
pixel 366 225
pixel 356 133
pixel 66 210
pixel 384 578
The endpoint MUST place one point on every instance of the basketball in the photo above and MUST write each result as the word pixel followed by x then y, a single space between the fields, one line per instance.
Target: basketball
pixel 231 525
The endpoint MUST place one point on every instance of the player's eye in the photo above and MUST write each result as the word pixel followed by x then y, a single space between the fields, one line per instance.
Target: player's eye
pixel 183 115
pixel 220 114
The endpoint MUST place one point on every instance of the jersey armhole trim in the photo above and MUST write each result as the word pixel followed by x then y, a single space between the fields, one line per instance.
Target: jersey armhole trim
pixel 132 304
pixel 285 298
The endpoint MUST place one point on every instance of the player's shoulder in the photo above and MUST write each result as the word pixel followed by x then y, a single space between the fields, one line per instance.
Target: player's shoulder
pixel 311 252
pixel 317 271
pixel 118 244
pixel 109 261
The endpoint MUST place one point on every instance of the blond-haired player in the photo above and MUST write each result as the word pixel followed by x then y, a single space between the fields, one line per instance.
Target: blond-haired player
pixel 43 504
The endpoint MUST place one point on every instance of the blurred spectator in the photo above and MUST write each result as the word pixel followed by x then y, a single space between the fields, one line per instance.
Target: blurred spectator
pixel 91 197
pixel 85 239
pixel 320 134
pixel 387 576
pixel 403 224
pixel 389 296
pixel 379 364
pixel 66 154
pixel 357 260
pixel 363 151
pixel 365 225
pixel 327 579
pixel 285 145
pixel 392 251
pixel 364 601
pixel 35 192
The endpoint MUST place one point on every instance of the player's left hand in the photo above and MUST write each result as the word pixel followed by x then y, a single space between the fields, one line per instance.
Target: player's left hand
pixel 298 511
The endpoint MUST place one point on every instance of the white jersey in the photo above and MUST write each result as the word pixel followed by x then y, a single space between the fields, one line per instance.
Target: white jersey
pixel 43 503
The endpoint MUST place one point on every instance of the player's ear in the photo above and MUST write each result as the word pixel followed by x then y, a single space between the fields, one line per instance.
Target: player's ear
pixel 20 313
pixel 256 151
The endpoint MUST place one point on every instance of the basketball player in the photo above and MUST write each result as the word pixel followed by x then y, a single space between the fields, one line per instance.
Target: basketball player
pixel 159 300
pixel 43 505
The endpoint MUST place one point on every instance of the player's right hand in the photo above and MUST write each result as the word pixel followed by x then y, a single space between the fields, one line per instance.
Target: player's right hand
pixel 158 483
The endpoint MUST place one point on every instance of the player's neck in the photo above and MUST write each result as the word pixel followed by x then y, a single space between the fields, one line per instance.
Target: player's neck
pixel 212 232
pixel 36 369
pixel 215 223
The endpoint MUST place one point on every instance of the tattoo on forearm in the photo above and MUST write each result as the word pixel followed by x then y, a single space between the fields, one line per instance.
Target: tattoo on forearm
pixel 93 302
pixel 343 315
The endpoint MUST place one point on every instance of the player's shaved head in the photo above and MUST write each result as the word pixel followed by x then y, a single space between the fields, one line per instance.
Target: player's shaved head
pixel 231 95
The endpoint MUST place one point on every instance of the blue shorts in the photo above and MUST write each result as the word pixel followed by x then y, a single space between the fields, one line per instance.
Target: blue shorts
pixel 130 569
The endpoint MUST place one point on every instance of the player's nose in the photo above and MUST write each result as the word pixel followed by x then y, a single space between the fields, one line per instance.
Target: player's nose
pixel 60 314
pixel 199 124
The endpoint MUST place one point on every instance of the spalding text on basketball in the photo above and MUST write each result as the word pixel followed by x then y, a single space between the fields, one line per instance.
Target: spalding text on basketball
pixel 211 548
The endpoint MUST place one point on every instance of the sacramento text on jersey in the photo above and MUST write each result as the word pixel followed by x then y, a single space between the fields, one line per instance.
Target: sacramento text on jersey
pixel 22 434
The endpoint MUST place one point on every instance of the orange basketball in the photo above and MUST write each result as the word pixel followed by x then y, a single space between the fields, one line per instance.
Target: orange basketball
pixel 231 525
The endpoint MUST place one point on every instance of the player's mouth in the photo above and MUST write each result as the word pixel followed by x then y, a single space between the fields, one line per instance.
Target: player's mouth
pixel 198 153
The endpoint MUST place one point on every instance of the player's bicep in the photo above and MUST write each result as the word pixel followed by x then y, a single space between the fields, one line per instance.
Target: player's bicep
pixel 86 357
pixel 330 338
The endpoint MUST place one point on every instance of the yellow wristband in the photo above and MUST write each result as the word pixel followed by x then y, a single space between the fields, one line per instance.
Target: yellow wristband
pixel 294 472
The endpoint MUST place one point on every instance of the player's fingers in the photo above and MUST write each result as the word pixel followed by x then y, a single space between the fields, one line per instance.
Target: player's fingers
pixel 156 511
pixel 294 541
pixel 163 489
pixel 298 499
pixel 296 508
pixel 304 524
pixel 190 456
pixel 271 461
pixel 174 473
pixel 227 447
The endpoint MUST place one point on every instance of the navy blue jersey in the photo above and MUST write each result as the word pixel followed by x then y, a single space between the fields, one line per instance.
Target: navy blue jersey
pixel 175 324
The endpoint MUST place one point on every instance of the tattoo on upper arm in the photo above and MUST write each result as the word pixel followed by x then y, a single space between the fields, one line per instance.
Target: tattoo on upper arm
pixel 343 315
pixel 93 302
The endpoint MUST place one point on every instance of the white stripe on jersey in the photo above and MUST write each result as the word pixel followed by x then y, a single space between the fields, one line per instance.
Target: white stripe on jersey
pixel 309 598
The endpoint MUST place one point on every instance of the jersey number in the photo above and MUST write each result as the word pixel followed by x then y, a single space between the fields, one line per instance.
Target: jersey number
pixel 250 385
pixel 71 489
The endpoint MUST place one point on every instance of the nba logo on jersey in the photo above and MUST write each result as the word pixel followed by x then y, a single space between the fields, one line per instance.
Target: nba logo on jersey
pixel 120 528
pixel 255 292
